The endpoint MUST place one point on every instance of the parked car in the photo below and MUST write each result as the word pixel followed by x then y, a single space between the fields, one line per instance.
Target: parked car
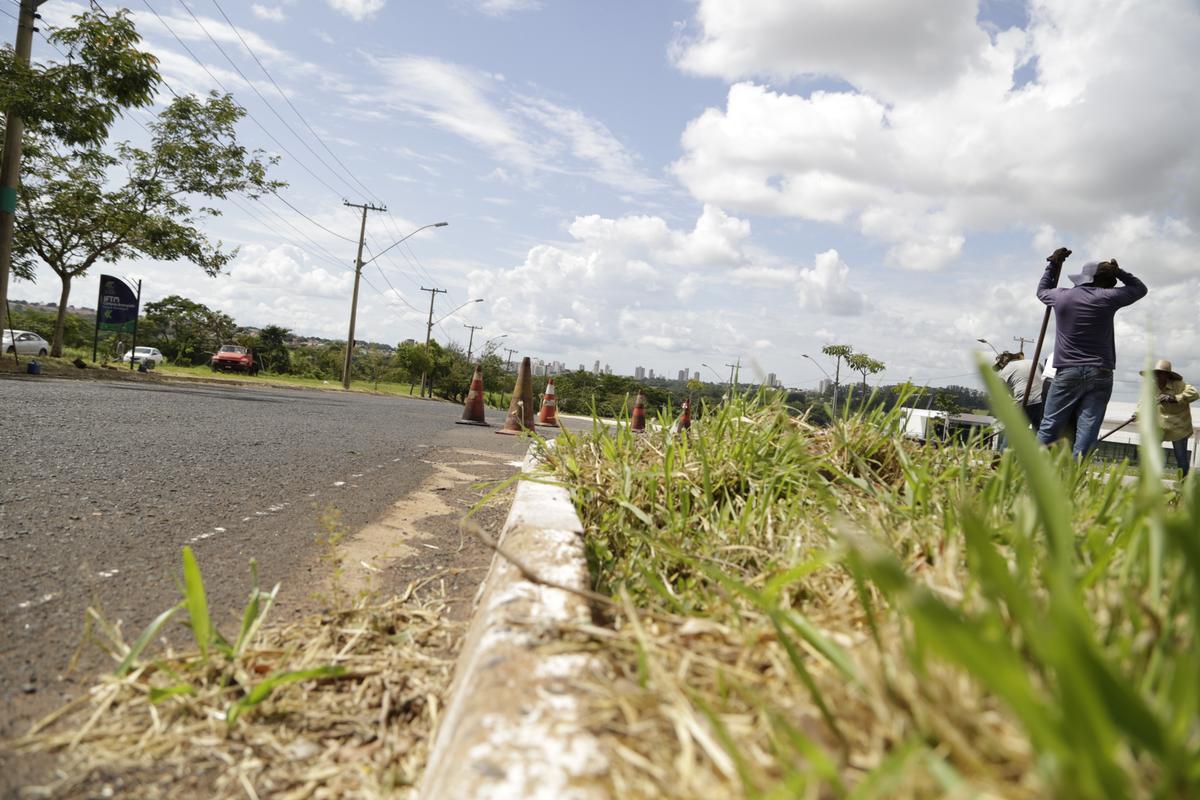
pixel 27 343
pixel 234 358
pixel 150 356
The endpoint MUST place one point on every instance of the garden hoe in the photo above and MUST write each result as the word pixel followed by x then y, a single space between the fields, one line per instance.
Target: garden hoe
pixel 1057 257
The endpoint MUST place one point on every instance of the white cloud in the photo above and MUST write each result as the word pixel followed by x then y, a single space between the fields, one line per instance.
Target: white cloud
pixel 826 287
pixel 525 133
pixel 940 138
pixel 269 13
pixel 635 282
pixel 500 8
pixel 357 10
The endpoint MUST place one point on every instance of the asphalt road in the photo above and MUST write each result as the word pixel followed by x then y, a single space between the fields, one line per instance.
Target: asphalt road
pixel 102 484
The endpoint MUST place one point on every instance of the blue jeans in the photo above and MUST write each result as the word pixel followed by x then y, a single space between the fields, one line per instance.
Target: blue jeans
pixel 1033 413
pixel 1181 453
pixel 1082 391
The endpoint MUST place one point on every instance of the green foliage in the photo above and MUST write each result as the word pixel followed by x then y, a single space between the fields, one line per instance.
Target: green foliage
pixel 271 347
pixel 76 209
pixel 857 615
pixel 186 331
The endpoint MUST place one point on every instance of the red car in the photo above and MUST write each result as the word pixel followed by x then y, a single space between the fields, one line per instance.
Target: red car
pixel 234 358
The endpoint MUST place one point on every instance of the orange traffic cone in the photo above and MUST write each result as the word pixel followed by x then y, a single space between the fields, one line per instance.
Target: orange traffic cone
pixel 548 416
pixel 685 420
pixel 473 407
pixel 520 410
pixel 638 422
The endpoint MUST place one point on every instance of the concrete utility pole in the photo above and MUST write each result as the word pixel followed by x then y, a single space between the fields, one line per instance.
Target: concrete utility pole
pixel 10 164
pixel 471 341
pixel 1022 340
pixel 510 351
pixel 358 265
pixel 733 374
pixel 433 293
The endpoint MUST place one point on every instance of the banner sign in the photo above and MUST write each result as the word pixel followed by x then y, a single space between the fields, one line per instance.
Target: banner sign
pixel 117 309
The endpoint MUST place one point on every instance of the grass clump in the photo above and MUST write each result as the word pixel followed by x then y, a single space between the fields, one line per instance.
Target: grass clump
pixel 803 611
pixel 341 704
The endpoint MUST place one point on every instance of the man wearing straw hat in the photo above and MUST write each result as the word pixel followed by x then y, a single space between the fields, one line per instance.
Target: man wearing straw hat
pixel 1174 412
pixel 1085 351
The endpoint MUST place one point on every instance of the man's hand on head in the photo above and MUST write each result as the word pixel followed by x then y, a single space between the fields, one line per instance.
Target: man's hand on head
pixel 1166 398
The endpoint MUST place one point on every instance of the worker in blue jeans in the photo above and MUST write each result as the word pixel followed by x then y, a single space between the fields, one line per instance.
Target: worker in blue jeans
pixel 1085 351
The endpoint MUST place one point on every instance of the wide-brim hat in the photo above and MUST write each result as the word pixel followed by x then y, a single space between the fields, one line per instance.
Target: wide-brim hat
pixel 1086 274
pixel 1164 366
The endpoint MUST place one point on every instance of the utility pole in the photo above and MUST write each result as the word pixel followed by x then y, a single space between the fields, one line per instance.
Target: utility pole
pixel 10 163
pixel 733 374
pixel 510 351
pixel 358 265
pixel 1022 340
pixel 471 341
pixel 433 293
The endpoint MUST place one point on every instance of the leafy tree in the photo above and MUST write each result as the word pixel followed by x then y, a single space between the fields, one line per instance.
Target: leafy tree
pixel 75 103
pixel 272 349
pixel 864 365
pixel 838 352
pixel 186 330
pixel 71 218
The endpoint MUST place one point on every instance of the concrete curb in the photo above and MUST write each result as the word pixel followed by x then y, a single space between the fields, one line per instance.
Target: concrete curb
pixel 514 724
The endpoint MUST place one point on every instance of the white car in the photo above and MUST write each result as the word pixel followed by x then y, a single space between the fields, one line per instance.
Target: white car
pixel 27 344
pixel 150 356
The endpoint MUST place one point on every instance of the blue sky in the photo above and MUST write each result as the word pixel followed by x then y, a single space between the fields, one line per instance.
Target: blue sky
pixel 669 183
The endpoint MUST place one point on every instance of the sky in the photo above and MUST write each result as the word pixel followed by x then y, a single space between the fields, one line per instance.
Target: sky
pixel 694 183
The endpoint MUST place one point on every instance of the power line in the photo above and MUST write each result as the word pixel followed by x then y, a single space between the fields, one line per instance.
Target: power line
pixel 222 87
pixel 287 100
pixel 266 102
pixel 313 221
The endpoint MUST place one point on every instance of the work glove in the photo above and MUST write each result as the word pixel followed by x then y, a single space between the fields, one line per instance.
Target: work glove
pixel 1058 256
pixel 1166 398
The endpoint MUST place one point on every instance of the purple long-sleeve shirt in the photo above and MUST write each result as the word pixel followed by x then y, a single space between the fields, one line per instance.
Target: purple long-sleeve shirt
pixel 1083 319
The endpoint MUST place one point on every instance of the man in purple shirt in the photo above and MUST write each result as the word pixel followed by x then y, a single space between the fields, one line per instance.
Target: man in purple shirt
pixel 1085 351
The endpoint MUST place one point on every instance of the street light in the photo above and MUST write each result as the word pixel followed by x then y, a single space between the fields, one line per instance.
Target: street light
pixel 358 266
pixel 818 363
pixel 989 344
pixel 713 371
pixel 398 241
pixel 486 347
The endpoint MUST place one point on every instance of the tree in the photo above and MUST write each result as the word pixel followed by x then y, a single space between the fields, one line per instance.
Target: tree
pixel 864 365
pixel 71 219
pixel 185 329
pixel 76 103
pixel 838 352
pixel 272 349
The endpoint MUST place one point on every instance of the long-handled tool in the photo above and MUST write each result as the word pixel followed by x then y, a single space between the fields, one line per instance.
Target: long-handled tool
pixel 1114 430
pixel 1056 258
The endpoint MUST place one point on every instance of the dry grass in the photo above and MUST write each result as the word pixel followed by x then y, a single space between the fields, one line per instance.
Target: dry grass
pixel 162 730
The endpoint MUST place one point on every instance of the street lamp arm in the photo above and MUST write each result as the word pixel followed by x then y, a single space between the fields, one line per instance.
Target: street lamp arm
pixel 398 241
pixel 455 311
pixel 810 358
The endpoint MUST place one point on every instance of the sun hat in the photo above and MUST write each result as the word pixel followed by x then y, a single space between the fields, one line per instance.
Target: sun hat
pixel 1162 365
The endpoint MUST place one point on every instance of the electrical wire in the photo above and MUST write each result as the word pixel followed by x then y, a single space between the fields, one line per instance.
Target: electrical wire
pixel 374 197
pixel 265 101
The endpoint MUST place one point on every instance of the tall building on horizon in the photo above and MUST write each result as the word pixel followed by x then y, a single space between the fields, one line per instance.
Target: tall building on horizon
pixel 651 374
pixel 682 375
pixel 639 373
pixel 696 376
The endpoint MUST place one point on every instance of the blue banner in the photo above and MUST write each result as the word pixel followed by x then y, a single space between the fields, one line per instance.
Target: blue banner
pixel 117 308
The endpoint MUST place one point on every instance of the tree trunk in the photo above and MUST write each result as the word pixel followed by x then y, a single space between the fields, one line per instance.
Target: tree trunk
pixel 837 375
pixel 56 346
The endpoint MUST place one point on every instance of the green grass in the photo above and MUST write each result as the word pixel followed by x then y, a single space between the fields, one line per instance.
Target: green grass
pixel 838 612
pixel 289 380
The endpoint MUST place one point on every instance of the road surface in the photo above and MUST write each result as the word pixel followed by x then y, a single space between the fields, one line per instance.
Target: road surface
pixel 104 483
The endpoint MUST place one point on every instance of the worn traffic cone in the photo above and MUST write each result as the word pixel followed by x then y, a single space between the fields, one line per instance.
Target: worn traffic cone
pixel 548 416
pixel 520 410
pixel 473 407
pixel 638 422
pixel 685 420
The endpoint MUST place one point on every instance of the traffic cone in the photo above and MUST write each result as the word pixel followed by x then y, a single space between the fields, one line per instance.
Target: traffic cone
pixel 638 423
pixel 685 420
pixel 520 410
pixel 473 407
pixel 548 416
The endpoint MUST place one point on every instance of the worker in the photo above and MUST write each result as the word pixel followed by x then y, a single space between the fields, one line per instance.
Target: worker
pixel 1085 352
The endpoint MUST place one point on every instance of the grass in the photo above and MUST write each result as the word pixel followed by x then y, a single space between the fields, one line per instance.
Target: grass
pixel 807 612
pixel 341 704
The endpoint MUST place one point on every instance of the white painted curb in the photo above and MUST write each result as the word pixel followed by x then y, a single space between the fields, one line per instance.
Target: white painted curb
pixel 513 726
